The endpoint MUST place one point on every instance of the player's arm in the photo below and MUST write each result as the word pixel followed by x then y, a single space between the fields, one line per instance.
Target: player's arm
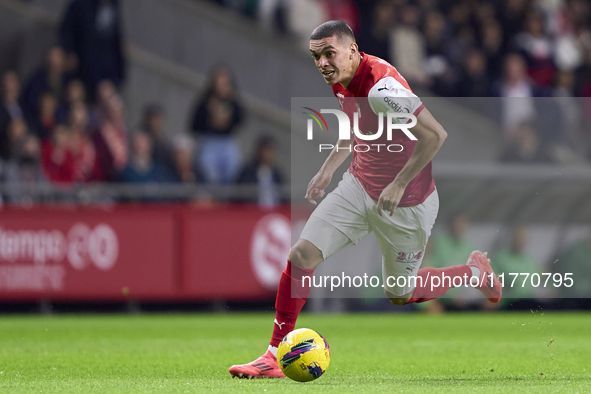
pixel 389 95
pixel 430 136
pixel 322 179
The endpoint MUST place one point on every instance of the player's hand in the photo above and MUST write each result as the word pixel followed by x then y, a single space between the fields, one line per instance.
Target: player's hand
pixel 316 187
pixel 390 198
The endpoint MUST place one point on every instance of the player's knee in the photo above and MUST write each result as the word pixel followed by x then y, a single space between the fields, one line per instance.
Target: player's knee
pixel 397 300
pixel 303 257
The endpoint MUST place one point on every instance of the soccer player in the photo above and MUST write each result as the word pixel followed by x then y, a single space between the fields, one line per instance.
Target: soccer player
pixel 390 193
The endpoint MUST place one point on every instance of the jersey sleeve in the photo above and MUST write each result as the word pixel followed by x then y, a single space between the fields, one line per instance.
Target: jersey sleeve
pixel 389 95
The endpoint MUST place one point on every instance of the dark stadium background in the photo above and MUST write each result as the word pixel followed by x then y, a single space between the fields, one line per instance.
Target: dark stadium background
pixel 115 238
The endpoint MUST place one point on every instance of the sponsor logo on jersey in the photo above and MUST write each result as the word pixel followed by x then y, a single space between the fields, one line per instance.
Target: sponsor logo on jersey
pixel 395 106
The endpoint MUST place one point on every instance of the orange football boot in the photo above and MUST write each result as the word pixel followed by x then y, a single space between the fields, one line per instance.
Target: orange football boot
pixel 492 290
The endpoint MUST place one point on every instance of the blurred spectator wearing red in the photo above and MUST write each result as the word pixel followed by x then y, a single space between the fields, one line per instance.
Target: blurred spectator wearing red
pixel 537 48
pixel 69 155
pixel 110 132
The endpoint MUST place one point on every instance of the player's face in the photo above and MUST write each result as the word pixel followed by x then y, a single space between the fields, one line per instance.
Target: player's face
pixel 335 59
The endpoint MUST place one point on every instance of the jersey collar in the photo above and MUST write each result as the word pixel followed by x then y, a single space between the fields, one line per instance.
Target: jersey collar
pixel 358 73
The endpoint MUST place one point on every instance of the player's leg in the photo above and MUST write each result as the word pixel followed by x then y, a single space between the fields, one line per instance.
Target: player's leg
pixel 334 224
pixel 404 251
pixel 291 297
pixel 337 222
pixel 403 238
pixel 293 291
pixel 435 282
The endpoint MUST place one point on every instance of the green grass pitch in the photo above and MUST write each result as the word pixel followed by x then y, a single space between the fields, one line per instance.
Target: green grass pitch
pixel 483 352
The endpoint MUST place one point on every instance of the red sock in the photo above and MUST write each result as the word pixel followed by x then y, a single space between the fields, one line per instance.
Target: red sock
pixel 437 281
pixel 287 308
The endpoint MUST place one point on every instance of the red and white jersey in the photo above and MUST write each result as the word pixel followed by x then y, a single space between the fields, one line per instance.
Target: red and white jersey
pixel 386 91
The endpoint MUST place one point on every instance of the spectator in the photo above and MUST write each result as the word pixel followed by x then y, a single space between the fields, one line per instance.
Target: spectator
pixel 492 45
pixel 532 127
pixel 408 47
pixel 104 92
pixel 86 164
pixel 57 160
pixel 436 39
pixel 512 17
pixel 91 35
pixel 564 84
pixel 45 117
pixel 10 109
pixel 215 122
pixel 572 112
pixel 141 167
pixel 110 138
pixel 514 260
pixel 263 172
pixel 459 15
pixel 484 11
pixel 303 17
pixel 17 134
pixel 24 171
pixel 436 34
pixel 463 36
pixel 272 14
pixel 583 77
pixel 475 81
pixel 51 77
pixel 153 125
pixel 375 37
pixel 537 49
pixel 344 10
pixel 523 146
pixel 516 83
pixel 185 168
pixel 75 93
pixel 569 48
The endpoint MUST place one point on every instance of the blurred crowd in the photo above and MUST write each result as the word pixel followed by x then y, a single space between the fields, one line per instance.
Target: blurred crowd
pixel 536 50
pixel 66 123
pixel 454 47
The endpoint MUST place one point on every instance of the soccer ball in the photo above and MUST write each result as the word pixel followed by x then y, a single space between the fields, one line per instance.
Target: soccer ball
pixel 303 355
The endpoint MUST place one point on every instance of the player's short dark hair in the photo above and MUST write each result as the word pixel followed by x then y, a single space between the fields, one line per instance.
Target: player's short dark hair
pixel 333 28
